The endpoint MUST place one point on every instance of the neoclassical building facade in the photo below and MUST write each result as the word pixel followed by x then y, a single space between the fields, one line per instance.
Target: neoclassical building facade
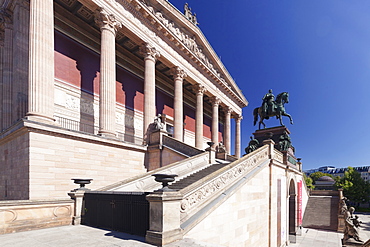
pixel 82 82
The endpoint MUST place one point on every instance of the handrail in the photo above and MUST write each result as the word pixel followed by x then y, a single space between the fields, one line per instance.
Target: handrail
pixel 196 195
pixel 180 146
pixel 145 182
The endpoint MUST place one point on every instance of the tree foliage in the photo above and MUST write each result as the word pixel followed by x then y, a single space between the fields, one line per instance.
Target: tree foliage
pixel 354 187
pixel 309 182
pixel 316 175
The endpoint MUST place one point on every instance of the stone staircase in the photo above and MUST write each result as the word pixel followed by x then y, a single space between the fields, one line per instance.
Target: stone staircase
pixel 183 183
pixel 322 210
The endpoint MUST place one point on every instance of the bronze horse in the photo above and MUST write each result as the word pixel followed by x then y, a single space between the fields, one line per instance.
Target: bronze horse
pixel 278 110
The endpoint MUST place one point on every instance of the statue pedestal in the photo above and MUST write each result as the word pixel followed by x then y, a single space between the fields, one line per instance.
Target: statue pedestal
pixel 275 133
pixel 271 133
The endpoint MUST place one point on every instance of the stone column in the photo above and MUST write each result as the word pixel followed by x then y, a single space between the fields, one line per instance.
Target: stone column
pixel 1 74
pixel 6 62
pixel 237 135
pixel 199 90
pixel 215 103
pixel 41 62
pixel 227 130
pixel 107 96
pixel 150 57
pixel 178 76
pixel 21 13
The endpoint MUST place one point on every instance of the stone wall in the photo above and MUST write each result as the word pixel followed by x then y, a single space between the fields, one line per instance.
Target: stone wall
pixel 242 220
pixel 44 159
pixel 16 216
pixel 14 169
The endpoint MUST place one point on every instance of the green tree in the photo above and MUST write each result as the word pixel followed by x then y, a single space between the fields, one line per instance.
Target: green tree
pixel 317 175
pixel 309 182
pixel 354 187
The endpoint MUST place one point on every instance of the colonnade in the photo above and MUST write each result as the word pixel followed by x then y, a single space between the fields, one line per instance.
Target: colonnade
pixel 41 86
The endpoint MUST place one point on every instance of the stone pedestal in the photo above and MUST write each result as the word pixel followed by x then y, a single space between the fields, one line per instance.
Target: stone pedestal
pixel 155 145
pixel 77 195
pixel 275 134
pixel 164 218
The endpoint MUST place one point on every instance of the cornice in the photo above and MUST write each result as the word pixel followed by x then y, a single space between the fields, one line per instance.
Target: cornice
pixel 140 22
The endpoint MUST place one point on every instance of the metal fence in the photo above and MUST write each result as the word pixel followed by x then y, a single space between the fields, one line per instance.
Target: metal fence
pixel 93 129
pixel 119 211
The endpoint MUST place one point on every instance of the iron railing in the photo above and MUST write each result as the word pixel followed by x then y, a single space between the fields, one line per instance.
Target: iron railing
pixel 126 212
pixel 93 129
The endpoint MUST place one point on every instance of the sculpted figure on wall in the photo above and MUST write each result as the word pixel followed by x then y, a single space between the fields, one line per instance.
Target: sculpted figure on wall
pixel 352 224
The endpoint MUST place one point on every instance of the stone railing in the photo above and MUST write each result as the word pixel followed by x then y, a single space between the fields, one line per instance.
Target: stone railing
pixel 201 192
pixel 146 183
pixel 180 146
pixel 24 215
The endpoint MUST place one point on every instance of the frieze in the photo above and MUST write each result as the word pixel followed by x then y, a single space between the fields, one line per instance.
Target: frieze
pixel 278 156
pixel 127 10
pixel 223 180
pixel 188 41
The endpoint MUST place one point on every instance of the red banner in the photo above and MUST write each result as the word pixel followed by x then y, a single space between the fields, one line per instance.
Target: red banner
pixel 300 203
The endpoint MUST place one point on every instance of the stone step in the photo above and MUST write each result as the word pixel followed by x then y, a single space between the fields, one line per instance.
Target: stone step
pixel 321 212
pixel 183 183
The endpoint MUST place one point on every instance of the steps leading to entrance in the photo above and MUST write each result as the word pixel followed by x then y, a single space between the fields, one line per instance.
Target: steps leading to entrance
pixel 322 212
pixel 183 183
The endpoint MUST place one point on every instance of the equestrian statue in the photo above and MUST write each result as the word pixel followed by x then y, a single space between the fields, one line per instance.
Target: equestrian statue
pixel 271 107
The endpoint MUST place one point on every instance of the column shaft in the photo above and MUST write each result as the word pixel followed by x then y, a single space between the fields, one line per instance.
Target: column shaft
pixel 107 94
pixel 237 136
pixel 107 101
pixel 228 130
pixel 199 90
pixel 178 74
pixel 215 104
pixel 41 61
pixel 150 55
pixel 7 62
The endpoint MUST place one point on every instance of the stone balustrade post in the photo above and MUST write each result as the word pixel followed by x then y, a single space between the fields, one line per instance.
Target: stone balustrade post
pixel 178 75
pixel 41 62
pixel 150 57
pixel 78 211
pixel 164 217
pixel 107 96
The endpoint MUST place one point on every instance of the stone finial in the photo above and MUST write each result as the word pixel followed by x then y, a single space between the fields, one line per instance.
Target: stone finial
pixel 178 73
pixel 106 21
pixel 149 51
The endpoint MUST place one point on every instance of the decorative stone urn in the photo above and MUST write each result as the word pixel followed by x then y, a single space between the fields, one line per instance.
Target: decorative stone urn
pixel 164 179
pixel 82 182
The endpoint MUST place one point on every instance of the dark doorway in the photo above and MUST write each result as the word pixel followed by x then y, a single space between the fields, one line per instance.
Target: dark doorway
pixel 292 212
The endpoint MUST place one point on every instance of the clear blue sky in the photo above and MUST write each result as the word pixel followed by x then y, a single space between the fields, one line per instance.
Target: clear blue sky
pixel 318 51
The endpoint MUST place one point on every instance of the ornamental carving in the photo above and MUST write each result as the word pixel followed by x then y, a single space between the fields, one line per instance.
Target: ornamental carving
pixel 106 21
pixel 197 197
pixel 199 89
pixel 186 40
pixel 178 73
pixel 278 156
pixel 149 51
pixel 215 101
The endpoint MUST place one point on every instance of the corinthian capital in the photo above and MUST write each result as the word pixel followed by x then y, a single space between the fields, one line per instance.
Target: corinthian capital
pixel 228 110
pixel 215 101
pixel 199 89
pixel 238 118
pixel 107 21
pixel 149 51
pixel 178 73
